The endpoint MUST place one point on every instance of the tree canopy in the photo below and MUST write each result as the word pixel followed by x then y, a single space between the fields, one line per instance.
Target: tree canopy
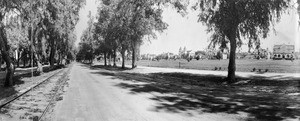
pixel 123 25
pixel 43 29
pixel 235 20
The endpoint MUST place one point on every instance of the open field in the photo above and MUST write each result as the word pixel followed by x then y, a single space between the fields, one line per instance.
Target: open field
pixel 277 66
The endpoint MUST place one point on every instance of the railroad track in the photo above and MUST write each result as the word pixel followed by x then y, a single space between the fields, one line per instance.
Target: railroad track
pixel 61 82
pixel 33 103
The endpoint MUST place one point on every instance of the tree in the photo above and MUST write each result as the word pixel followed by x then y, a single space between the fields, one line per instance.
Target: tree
pixel 142 20
pixel 61 22
pixel 85 53
pixel 17 38
pixel 7 6
pixel 87 45
pixel 34 15
pixel 236 19
pixel 35 21
pixel 106 33
pixel 112 40
pixel 68 18
pixel 124 44
pixel 124 24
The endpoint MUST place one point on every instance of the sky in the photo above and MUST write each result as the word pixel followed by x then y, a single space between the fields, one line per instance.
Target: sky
pixel 187 32
pixel 91 6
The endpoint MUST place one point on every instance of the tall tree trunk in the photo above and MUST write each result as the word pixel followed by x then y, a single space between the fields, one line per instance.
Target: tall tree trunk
pixel 133 64
pixel 232 65
pixel 24 62
pixel 18 63
pixel 5 55
pixel 52 52
pixel 59 58
pixel 109 59
pixel 34 52
pixel 123 59
pixel 0 60
pixel 30 60
pixel 10 70
pixel 38 62
pixel 18 59
pixel 105 61
pixel 34 61
pixel 114 57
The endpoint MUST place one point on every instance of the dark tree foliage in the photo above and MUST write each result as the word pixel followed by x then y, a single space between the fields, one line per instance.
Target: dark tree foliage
pixel 85 53
pixel 235 20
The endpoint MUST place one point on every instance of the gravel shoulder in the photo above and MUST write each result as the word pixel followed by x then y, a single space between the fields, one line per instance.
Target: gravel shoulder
pixel 23 83
pixel 31 105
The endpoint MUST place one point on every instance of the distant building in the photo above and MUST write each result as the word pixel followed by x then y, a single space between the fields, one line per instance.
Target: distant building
pixel 183 53
pixel 262 53
pixel 148 56
pixel 283 51
pixel 224 54
pixel 190 53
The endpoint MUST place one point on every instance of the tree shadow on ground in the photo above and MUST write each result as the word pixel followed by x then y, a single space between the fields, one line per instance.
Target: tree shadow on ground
pixel 180 92
pixel 9 91
pixel 110 68
pixel 6 92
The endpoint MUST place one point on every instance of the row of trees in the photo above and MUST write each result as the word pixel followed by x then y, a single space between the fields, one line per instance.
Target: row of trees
pixel 43 29
pixel 122 25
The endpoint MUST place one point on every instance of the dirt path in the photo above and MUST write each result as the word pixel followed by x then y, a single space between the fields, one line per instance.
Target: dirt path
pixel 91 96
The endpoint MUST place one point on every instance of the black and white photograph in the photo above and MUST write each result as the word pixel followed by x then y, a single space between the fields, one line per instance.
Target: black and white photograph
pixel 149 60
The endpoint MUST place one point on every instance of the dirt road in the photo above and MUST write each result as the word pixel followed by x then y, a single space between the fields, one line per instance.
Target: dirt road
pixel 93 95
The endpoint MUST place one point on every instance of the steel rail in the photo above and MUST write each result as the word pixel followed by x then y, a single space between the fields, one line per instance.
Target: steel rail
pixel 14 97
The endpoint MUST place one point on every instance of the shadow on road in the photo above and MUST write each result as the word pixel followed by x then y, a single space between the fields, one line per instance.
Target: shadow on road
pixel 110 68
pixel 261 98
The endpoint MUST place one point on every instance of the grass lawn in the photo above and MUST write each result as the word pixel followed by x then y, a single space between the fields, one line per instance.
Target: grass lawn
pixel 245 65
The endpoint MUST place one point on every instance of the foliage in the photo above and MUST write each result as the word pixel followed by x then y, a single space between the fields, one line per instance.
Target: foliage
pixel 251 19
pixel 7 7
pixel 37 27
pixel 236 19
pixel 85 52
pixel 123 25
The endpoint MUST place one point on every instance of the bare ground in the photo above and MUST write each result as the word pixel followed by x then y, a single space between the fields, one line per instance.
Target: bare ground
pixel 31 105
pixel 22 82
